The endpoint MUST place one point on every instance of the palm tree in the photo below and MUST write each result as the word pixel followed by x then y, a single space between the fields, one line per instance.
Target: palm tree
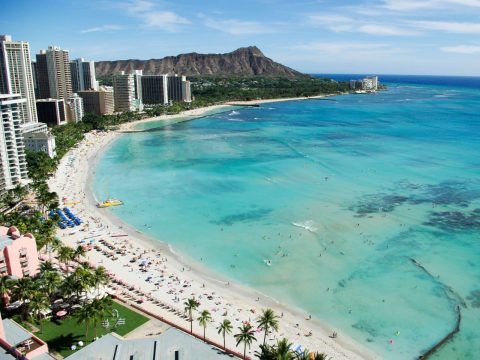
pixel 284 351
pixel 19 192
pixel 50 282
pixel 67 288
pixel 267 352
pixel 100 277
pixel 245 336
pixel 100 309
pixel 6 284
pixel 46 266
pixel 203 320
pixel 65 254
pixel 83 279
pixel 268 320
pixel 24 289
pixel 305 355
pixel 320 356
pixel 224 328
pixel 78 252
pixel 84 316
pixel 190 305
pixel 39 302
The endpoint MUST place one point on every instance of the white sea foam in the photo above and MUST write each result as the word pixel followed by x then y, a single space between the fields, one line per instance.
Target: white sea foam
pixel 233 113
pixel 238 120
pixel 307 225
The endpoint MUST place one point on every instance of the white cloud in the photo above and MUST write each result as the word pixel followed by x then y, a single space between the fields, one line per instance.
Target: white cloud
pixel 340 23
pixel 345 48
pixel 101 28
pixel 237 27
pixel 386 30
pixel 137 6
pixel 450 27
pixel 151 17
pixel 408 5
pixel 164 19
pixel 462 49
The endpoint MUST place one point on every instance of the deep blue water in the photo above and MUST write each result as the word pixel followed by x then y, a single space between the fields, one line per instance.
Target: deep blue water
pixel 345 195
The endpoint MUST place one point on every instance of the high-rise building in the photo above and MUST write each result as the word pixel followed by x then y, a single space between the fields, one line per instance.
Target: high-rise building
pixel 175 87
pixel 124 92
pixel 186 91
pixel 54 64
pixel 137 77
pixel 154 89
pixel 52 111
pixel 75 108
pixel 41 76
pixel 13 166
pixel 16 75
pixel 99 102
pixel 35 81
pixel 83 75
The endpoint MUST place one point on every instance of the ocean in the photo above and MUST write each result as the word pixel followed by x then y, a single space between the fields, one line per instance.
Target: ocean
pixel 367 206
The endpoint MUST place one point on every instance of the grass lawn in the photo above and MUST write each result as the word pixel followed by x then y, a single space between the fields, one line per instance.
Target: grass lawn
pixel 60 335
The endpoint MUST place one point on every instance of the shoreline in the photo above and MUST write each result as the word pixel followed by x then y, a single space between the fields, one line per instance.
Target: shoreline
pixel 211 109
pixel 236 295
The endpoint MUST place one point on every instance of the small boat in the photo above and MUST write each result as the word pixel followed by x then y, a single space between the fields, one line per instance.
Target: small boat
pixel 109 202
pixel 268 262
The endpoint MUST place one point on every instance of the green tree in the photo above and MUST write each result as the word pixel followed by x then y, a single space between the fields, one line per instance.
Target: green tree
pixel 101 309
pixel 203 321
pixel 191 305
pixel 83 280
pixel 50 282
pixel 99 278
pixel 24 289
pixel 37 304
pixel 267 352
pixel 68 287
pixel 46 266
pixel 267 320
pixel 6 284
pixel 85 316
pixel 225 327
pixel 79 252
pixel 245 336
pixel 65 255
pixel 320 356
pixel 284 351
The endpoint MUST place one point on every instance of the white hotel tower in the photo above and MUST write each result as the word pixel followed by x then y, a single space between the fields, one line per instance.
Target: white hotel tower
pixel 16 75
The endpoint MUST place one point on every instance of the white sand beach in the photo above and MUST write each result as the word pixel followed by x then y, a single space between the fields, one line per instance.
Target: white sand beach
pixel 163 279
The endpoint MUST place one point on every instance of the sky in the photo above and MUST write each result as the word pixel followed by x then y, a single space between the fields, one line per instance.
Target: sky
pixel 427 37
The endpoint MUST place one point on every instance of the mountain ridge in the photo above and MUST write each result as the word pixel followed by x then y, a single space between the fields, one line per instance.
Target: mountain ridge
pixel 242 61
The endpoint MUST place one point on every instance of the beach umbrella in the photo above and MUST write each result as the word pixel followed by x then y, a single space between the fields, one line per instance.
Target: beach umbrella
pixel 61 313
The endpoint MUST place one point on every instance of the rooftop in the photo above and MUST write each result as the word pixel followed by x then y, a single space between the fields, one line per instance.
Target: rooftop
pixel 5 240
pixel 22 340
pixel 163 346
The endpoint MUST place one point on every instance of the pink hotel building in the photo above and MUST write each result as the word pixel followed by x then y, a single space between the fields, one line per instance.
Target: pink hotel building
pixel 18 253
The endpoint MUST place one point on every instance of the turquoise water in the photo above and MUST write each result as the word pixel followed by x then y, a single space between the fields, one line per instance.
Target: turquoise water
pixel 341 194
